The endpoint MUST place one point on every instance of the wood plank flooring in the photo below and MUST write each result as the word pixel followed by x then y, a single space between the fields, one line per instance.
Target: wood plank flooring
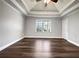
pixel 41 48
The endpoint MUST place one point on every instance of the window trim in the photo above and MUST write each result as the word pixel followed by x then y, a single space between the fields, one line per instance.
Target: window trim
pixel 43 20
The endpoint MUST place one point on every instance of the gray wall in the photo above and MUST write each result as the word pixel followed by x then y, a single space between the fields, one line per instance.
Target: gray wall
pixel 11 25
pixel 56 28
pixel 65 28
pixel 70 27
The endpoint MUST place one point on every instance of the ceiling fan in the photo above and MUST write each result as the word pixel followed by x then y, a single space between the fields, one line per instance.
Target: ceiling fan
pixel 47 1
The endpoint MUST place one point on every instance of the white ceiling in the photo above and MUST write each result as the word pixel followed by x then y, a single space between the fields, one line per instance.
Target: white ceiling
pixel 39 6
pixel 34 8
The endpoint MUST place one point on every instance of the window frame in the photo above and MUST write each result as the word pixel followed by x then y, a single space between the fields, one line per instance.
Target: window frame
pixel 43 20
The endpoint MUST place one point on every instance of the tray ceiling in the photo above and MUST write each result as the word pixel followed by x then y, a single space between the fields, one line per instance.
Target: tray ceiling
pixel 38 8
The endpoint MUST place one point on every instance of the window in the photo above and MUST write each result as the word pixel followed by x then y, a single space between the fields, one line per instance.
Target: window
pixel 43 26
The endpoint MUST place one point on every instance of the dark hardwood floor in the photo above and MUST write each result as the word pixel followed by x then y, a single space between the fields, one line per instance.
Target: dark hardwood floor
pixel 41 48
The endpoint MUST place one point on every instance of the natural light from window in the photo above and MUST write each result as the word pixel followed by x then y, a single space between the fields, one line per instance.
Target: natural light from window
pixel 43 26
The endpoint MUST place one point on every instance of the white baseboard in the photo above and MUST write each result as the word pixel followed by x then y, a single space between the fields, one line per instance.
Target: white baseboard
pixel 76 44
pixel 41 37
pixel 7 45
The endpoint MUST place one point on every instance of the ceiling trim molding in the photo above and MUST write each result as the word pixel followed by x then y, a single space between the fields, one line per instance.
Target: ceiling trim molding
pixel 42 12
pixel 72 1
pixel 43 15
pixel 56 6
pixel 70 10
pixel 14 1
pixel 25 4
pixel 10 6
pixel 61 13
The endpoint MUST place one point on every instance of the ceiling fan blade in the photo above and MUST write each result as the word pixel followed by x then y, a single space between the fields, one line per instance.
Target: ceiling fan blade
pixel 38 0
pixel 55 1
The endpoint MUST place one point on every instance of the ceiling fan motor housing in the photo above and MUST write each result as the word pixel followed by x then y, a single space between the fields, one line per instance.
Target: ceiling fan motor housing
pixel 46 3
pixel 55 1
pixel 38 0
pixel 51 0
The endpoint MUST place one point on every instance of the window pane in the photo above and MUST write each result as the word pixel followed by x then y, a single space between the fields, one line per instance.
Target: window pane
pixel 43 26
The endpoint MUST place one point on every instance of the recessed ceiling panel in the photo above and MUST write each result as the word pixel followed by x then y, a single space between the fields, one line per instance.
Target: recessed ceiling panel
pixel 41 7
pixel 62 4
pixel 52 8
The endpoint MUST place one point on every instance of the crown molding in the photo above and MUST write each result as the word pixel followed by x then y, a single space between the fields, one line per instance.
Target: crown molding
pixel 72 1
pixel 71 9
pixel 14 1
pixel 10 6
pixel 53 14
pixel 15 6
pixel 42 13
pixel 35 15
pixel 25 4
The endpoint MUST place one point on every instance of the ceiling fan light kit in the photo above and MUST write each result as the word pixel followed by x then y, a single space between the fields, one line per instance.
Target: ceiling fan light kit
pixel 47 1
